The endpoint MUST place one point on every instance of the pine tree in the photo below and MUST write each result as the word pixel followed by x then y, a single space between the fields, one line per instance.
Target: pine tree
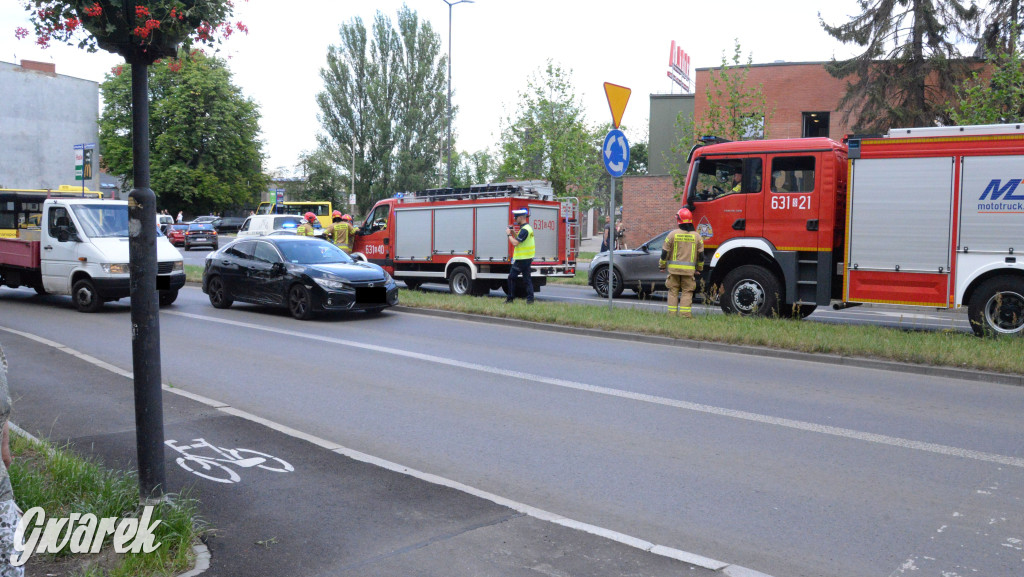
pixel 1002 18
pixel 910 66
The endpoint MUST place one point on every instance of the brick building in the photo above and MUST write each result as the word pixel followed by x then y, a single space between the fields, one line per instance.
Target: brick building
pixel 803 100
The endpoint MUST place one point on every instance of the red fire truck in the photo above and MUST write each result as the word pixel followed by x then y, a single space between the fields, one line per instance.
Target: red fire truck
pixel 921 216
pixel 458 236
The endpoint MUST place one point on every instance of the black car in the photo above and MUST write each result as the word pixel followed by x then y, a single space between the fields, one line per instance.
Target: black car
pixel 200 234
pixel 228 223
pixel 304 274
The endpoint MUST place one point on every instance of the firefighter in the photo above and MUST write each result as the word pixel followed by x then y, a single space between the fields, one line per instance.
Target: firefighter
pixel 683 257
pixel 341 232
pixel 524 249
pixel 307 228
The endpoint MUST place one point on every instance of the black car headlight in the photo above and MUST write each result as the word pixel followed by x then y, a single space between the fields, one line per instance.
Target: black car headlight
pixel 332 284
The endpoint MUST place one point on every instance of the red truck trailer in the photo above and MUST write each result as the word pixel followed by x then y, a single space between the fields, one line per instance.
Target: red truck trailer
pixel 458 236
pixel 923 216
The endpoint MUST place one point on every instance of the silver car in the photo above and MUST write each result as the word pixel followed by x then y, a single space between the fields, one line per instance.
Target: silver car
pixel 635 269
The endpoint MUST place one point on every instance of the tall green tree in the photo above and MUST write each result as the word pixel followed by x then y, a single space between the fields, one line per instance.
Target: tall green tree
pixel 910 65
pixel 205 148
pixel 999 33
pixel 471 168
pixel 324 179
pixel 384 99
pixel 549 138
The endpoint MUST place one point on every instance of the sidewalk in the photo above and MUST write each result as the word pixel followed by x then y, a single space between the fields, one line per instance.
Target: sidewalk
pixel 332 515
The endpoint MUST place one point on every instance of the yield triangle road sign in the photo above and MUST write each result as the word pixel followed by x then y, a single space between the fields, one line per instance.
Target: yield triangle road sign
pixel 618 96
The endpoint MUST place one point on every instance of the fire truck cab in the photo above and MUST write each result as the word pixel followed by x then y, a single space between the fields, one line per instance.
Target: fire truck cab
pixel 920 216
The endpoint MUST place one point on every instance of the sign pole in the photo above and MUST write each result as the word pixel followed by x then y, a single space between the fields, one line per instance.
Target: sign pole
pixel 611 245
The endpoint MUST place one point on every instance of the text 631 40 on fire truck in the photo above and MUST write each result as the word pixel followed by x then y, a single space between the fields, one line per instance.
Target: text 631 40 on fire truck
pixel 459 236
pixel 923 216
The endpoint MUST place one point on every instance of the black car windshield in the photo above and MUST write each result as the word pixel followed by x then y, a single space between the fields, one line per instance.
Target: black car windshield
pixel 305 251
pixel 108 220
pixel 200 226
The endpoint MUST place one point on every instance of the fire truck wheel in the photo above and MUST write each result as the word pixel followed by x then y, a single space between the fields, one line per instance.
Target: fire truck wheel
pixel 481 288
pixel 997 307
pixel 600 283
pixel 461 281
pixel 751 290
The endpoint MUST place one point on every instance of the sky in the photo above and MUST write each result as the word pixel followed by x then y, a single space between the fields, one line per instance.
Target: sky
pixel 496 45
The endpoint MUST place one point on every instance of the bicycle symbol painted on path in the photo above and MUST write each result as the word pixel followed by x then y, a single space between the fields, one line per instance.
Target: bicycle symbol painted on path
pixel 218 469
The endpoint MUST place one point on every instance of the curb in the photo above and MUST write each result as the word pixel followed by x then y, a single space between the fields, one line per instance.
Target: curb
pixel 829 359
pixel 201 551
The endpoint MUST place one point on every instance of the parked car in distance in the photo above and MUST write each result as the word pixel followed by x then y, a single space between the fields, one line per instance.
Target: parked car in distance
pixel 305 275
pixel 228 224
pixel 205 219
pixel 176 234
pixel 264 224
pixel 635 269
pixel 200 234
pixel 163 222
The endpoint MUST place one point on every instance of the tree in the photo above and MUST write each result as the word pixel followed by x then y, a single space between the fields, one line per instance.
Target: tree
pixel 732 111
pixel 910 66
pixel 997 100
pixel 323 178
pixel 384 98
pixel 478 167
pixel 1000 30
pixel 549 138
pixel 637 159
pixel 205 152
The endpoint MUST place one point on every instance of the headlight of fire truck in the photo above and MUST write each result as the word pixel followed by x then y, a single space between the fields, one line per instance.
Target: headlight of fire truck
pixel 332 285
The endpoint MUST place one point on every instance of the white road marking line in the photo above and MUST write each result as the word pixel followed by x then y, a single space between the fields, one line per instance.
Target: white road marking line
pixel 641 397
pixel 537 513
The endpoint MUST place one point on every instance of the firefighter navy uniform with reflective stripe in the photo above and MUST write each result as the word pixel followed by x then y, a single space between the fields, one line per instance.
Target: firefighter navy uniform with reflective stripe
pixel 342 233
pixel 685 253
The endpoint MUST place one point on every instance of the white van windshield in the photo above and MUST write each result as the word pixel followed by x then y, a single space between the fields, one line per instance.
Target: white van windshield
pixel 102 220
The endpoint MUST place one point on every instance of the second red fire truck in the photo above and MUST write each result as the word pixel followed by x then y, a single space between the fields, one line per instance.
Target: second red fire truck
pixel 458 236
pixel 924 216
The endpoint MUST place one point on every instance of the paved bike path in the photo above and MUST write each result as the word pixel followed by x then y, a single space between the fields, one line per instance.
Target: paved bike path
pixel 332 515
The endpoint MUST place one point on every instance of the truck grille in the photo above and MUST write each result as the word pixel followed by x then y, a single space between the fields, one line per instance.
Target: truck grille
pixel 165 268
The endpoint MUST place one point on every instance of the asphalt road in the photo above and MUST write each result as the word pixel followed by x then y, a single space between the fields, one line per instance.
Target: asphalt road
pixel 789 468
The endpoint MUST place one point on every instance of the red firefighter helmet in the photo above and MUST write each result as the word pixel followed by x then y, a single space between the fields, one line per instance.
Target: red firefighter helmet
pixel 684 216
pixel 309 216
pixel 347 217
pixel 337 214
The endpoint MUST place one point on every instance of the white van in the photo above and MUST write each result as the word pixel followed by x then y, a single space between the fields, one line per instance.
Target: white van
pixel 264 224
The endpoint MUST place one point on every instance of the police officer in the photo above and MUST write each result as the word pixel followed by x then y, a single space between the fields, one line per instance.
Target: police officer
pixel 524 249
pixel 341 231
pixel 307 228
pixel 683 256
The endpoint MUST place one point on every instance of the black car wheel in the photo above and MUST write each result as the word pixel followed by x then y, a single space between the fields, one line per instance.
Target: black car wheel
pixel 219 296
pixel 187 247
pixel 300 302
pixel 87 300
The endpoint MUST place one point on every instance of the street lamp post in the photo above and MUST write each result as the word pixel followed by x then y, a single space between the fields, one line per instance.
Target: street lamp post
pixel 450 4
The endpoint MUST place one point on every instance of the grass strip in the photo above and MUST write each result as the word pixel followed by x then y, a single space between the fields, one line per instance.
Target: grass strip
pixel 63 483
pixel 193 273
pixel 951 348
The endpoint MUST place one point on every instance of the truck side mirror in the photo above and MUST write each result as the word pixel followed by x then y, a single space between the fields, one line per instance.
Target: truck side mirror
pixel 63 234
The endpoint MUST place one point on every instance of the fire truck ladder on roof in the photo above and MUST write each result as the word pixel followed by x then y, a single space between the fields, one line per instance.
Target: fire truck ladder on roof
pixel 472 192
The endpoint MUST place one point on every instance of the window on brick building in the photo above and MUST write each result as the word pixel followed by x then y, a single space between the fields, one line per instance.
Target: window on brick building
pixel 815 124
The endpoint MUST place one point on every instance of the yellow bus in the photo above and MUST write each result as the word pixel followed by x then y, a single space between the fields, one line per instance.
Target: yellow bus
pixel 321 208
pixel 23 207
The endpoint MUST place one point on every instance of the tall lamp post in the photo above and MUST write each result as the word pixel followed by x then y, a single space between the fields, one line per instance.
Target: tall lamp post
pixel 450 4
